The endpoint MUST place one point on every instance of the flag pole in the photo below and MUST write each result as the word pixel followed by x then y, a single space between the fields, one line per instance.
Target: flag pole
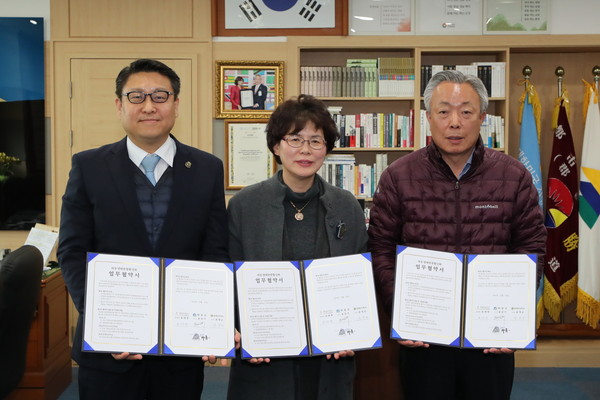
pixel 527 71
pixel 560 73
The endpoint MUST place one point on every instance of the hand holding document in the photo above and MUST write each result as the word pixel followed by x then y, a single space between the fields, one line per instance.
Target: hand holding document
pixel 43 237
pixel 304 308
pixel 471 301
pixel 157 306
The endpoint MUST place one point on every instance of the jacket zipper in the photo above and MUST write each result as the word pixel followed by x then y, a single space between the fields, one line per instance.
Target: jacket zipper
pixel 457 239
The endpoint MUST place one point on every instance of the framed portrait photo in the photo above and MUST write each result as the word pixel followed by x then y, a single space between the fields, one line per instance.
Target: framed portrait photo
pixel 248 89
pixel 248 159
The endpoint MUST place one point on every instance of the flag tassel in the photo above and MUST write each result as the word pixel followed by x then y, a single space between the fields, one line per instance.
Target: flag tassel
pixel 568 291
pixel 539 312
pixel 588 309
pixel 552 301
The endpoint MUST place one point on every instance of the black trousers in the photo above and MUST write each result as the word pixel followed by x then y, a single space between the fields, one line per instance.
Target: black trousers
pixel 448 373
pixel 151 378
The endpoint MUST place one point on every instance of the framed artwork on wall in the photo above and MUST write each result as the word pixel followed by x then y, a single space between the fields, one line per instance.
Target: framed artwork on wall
pixel 279 17
pixel 248 89
pixel 449 17
pixel 248 159
pixel 517 18
pixel 381 17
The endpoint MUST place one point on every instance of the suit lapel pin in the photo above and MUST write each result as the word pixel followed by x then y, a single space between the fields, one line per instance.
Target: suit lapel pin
pixel 188 164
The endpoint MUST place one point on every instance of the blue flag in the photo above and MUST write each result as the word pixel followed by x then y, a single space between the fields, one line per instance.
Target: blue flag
pixel 529 155
pixel 529 147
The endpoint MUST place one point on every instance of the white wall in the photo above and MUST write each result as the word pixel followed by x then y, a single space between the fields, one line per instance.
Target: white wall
pixel 28 8
pixel 574 16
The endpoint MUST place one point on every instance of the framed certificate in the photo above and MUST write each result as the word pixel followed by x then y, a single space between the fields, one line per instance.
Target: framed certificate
pixel 381 17
pixel 249 160
pixel 449 17
pixel 307 307
pixel 246 98
pixel 466 301
pixel 158 306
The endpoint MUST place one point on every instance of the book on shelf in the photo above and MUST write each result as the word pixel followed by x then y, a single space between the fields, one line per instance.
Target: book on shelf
pixel 370 78
pixel 361 180
pixel 336 81
pixel 491 131
pixel 425 138
pixel 338 170
pixel 307 308
pixel 491 73
pixel 495 77
pixel 374 130
pixel 158 306
pixel 465 300
pixel 361 62
pixel 396 76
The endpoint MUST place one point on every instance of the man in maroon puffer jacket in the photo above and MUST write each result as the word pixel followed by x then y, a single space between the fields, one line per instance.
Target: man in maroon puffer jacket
pixel 455 195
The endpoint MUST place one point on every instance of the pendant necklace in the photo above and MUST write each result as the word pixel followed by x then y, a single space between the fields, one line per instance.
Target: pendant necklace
pixel 299 216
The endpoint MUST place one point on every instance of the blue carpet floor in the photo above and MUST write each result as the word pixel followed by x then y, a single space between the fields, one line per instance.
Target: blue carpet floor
pixel 530 384
pixel 215 384
pixel 556 383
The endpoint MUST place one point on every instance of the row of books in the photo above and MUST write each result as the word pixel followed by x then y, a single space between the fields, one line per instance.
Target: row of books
pixel 369 77
pixel 492 74
pixel 396 76
pixel 339 81
pixel 375 130
pixel 341 170
pixel 492 131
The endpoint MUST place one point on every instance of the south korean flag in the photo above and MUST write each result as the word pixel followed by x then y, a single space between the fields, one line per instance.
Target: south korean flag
pixel 279 14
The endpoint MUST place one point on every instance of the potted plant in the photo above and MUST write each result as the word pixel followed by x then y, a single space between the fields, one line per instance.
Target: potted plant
pixel 6 165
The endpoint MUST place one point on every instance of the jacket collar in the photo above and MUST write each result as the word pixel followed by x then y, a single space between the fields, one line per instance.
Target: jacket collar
pixel 436 157
pixel 183 172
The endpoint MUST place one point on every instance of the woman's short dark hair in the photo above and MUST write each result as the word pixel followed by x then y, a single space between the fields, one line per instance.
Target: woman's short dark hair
pixel 147 65
pixel 238 79
pixel 292 116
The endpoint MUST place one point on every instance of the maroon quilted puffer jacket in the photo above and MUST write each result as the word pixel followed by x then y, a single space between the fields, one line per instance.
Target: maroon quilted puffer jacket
pixel 492 209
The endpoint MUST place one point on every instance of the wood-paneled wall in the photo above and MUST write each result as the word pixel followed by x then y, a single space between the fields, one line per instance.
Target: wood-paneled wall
pixel 182 29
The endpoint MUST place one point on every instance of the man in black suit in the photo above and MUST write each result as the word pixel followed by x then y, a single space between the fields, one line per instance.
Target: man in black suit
pixel 111 206
pixel 260 93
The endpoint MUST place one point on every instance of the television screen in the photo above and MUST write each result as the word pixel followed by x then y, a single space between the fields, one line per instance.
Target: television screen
pixel 22 123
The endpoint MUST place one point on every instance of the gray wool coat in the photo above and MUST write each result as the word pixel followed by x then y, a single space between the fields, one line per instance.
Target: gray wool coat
pixel 256 223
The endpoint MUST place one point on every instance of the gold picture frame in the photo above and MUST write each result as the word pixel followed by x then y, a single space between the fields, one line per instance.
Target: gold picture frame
pixel 248 89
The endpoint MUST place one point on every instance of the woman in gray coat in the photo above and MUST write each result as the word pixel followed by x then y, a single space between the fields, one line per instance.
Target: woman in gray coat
pixel 295 215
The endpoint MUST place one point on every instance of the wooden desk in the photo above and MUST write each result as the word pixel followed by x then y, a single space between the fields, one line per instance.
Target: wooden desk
pixel 48 365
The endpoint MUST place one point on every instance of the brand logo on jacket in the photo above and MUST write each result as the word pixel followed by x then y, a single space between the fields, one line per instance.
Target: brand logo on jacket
pixel 494 206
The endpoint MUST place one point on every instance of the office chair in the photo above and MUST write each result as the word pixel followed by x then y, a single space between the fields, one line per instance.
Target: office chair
pixel 20 275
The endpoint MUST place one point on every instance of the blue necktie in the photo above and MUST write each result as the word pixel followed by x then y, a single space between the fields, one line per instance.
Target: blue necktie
pixel 148 163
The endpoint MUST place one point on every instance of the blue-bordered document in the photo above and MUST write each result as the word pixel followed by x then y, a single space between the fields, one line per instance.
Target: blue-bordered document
pixel 158 306
pixel 467 301
pixel 306 308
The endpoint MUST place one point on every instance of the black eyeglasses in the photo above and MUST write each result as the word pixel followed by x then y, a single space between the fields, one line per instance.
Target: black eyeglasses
pixel 137 97
pixel 315 143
